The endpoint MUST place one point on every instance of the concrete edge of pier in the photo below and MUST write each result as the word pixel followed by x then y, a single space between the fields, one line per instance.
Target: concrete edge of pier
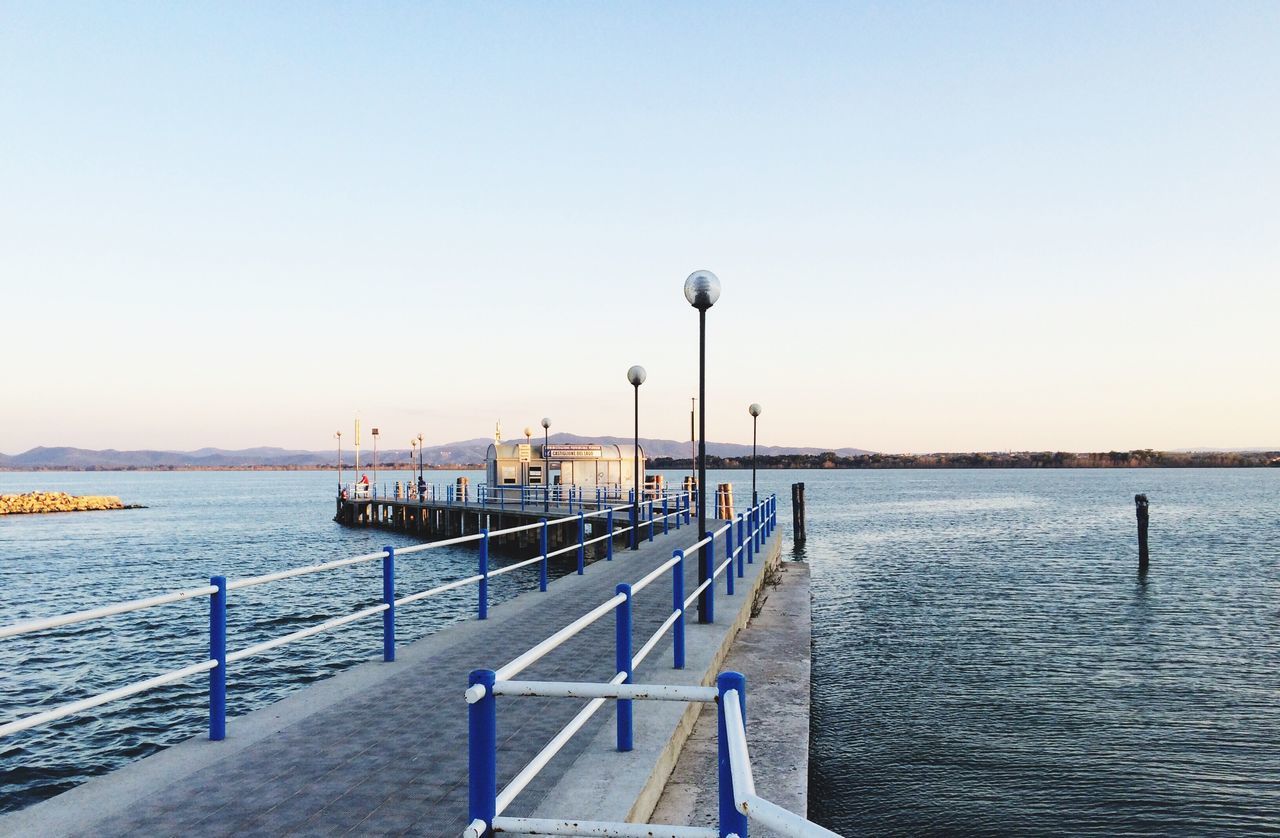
pixel 774 653
pixel 604 784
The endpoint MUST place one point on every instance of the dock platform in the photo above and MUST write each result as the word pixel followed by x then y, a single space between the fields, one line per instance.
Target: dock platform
pixel 381 749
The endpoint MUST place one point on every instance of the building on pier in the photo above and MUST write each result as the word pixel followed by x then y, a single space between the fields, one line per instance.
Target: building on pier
pixel 585 465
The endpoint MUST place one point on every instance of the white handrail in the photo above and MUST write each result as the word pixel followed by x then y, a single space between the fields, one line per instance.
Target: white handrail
pixel 522 662
pixel 590 689
pixel 431 545
pixel 105 611
pixel 250 581
pixel 549 826
pixel 439 589
pixel 552 748
pixel 654 574
pixel 102 698
pixel 744 788
pixel 653 640
pixel 302 633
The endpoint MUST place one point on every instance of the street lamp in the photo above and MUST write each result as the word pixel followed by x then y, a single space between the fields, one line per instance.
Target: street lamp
pixel 636 376
pixel 546 466
pixel 528 435
pixel 413 455
pixel 754 410
pixel 702 289
pixel 338 434
pixel 422 484
pixel 375 461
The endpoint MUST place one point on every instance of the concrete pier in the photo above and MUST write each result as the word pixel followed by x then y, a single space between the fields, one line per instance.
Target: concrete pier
pixel 381 748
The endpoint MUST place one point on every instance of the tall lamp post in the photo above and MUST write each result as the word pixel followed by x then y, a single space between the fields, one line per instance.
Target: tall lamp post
pixel 754 410
pixel 636 376
pixel 546 465
pixel 702 289
pixel 413 464
pixel 375 461
pixel 338 434
pixel 421 481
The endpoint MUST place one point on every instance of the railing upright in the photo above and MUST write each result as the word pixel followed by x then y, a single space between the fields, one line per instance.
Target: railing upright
pixel 542 568
pixel 389 599
pixel 482 606
pixel 622 660
pixel 666 502
pixel 751 536
pixel 582 543
pixel 742 547
pixel 482 752
pixel 732 822
pixel 608 542
pixel 635 523
pixel 709 557
pixel 650 521
pixel 218 652
pixel 728 556
pixel 677 607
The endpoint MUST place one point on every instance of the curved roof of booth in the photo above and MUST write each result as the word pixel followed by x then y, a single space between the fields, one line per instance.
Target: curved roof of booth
pixel 608 450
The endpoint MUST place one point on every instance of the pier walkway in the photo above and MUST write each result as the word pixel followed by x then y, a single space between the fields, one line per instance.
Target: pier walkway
pixel 381 749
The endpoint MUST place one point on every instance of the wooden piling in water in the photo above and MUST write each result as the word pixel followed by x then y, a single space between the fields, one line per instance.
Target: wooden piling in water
pixel 1142 504
pixel 797 513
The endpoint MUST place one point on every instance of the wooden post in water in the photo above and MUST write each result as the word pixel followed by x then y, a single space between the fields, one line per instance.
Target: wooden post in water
pixel 1141 502
pixel 797 513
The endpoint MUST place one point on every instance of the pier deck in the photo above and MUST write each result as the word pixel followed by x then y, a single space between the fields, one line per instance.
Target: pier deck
pixel 381 749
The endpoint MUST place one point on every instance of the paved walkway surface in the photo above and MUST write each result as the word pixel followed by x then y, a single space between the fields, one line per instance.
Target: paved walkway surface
pixel 380 749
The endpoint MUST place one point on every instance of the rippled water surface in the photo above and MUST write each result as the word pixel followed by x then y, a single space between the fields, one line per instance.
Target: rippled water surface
pixel 986 660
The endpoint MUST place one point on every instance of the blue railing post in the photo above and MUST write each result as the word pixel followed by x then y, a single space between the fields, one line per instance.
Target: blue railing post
pixel 728 554
pixel 523 491
pixel 677 607
pixel 665 511
pixel 760 524
pixel 751 538
pixel 635 522
pixel 679 513
pixel 502 498
pixel 389 600
pixel 732 822
pixel 608 544
pixel 709 556
pixel 688 507
pixel 482 752
pixel 482 606
pixel 773 512
pixel 581 543
pixel 742 547
pixel 218 652
pixel 650 521
pixel 622 660
pixel 542 568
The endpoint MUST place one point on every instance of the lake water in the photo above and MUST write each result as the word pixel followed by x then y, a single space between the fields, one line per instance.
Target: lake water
pixel 986 659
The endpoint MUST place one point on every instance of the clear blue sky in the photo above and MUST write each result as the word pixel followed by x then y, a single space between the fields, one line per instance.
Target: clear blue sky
pixel 939 226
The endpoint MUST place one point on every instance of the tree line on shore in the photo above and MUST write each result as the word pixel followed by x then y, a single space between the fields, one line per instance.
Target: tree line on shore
pixel 1143 458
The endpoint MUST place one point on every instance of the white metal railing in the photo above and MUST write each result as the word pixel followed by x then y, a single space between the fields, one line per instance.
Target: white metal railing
pixel 487 803
pixel 675 505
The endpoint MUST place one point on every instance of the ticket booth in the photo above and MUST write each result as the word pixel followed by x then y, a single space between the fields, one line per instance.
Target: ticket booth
pixel 584 465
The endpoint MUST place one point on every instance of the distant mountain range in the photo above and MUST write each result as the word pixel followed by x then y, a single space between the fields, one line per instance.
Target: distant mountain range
pixel 455 453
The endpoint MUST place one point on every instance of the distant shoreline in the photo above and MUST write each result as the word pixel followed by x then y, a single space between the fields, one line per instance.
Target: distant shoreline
pixel 363 469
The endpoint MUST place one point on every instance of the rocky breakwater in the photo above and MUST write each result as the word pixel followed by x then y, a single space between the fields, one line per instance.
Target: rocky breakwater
pixel 33 502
